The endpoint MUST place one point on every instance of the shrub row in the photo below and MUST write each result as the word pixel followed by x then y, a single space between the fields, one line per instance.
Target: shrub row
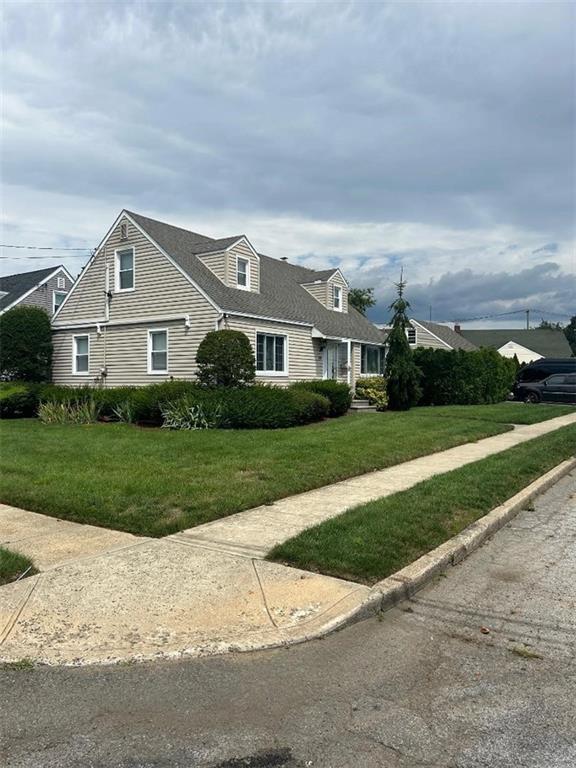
pixel 338 394
pixel 457 377
pixel 255 407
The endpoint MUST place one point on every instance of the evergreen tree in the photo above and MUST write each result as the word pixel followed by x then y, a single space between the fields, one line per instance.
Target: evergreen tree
pixel 402 374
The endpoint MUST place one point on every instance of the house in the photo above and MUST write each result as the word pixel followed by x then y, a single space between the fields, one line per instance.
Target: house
pixel 152 291
pixel 526 345
pixel 423 333
pixel 46 288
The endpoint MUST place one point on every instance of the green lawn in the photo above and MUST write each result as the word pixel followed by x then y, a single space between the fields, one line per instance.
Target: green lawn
pixel 13 565
pixel 372 541
pixel 155 482
pixel 505 413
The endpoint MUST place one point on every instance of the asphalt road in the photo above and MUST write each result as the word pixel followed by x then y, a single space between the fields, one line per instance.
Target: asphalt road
pixel 478 670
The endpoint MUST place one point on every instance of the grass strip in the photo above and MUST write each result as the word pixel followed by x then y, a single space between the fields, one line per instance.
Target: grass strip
pixel 505 413
pixel 372 541
pixel 156 482
pixel 13 565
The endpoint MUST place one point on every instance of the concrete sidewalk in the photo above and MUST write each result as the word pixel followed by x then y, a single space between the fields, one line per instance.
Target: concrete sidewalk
pixel 104 596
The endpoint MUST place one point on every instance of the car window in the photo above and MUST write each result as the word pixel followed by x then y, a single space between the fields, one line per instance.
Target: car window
pixel 570 379
pixel 555 380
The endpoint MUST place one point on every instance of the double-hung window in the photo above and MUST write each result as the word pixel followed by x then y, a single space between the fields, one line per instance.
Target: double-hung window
pixel 125 269
pixel 81 359
pixel 243 273
pixel 158 351
pixel 271 354
pixel 372 359
pixel 57 299
pixel 338 298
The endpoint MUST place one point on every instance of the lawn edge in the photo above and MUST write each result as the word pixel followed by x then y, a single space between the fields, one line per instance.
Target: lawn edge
pixel 403 584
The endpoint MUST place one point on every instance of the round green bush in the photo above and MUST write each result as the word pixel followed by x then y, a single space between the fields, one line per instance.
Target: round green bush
pixel 225 359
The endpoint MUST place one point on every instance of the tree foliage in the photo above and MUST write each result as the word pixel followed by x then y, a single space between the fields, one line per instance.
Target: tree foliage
pixel 402 374
pixel 570 333
pixel 362 299
pixel 225 359
pixel 25 344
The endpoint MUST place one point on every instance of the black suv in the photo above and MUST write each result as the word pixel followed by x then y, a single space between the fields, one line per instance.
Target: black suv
pixel 547 380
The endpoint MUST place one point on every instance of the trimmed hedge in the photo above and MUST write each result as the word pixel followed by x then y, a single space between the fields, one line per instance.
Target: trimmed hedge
pixel 458 377
pixel 256 407
pixel 339 394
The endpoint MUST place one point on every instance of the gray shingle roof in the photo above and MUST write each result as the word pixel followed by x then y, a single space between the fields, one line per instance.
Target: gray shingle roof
pixel 323 274
pixel 15 286
pixel 447 335
pixel 281 296
pixel 545 341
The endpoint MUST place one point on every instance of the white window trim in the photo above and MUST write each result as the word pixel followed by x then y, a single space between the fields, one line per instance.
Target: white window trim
pixel 150 332
pixel 76 372
pixel 247 286
pixel 267 374
pixel 337 290
pixel 117 288
pixel 62 293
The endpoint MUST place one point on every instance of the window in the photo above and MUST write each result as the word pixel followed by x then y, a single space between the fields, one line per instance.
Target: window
pixel 557 379
pixel 338 298
pixel 270 353
pixel 371 359
pixel 158 351
pixel 411 334
pixel 61 282
pixel 57 299
pixel 125 270
pixel 243 273
pixel 81 362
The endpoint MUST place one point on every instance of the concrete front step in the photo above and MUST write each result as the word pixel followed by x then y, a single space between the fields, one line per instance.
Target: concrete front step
pixel 362 405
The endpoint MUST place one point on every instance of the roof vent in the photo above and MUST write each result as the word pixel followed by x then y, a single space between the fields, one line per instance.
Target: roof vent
pixel 283 258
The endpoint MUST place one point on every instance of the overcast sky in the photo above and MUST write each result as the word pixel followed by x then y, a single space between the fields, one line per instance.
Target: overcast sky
pixel 437 137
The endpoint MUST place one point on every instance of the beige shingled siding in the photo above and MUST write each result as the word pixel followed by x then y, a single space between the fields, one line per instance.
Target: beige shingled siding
pixel 123 350
pixel 160 290
pixel 216 262
pixel 426 339
pixel 319 290
pixel 304 353
pixel 243 250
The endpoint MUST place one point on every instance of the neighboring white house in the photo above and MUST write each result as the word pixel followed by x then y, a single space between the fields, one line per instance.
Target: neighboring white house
pixel 46 288
pixel 152 291
pixel 526 345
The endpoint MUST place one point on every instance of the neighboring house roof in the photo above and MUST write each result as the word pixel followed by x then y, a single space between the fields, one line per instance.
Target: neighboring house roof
pixel 448 336
pixel 547 342
pixel 281 295
pixel 443 332
pixel 324 274
pixel 13 288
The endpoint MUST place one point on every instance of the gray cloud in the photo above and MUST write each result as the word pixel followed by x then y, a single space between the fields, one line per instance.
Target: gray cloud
pixel 439 136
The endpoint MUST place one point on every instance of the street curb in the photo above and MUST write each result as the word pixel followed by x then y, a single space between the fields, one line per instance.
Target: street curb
pixel 405 583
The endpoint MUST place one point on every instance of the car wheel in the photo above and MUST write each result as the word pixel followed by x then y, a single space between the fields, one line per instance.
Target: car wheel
pixel 532 397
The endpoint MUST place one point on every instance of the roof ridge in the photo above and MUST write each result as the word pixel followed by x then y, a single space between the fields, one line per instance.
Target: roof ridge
pixel 32 272
pixel 173 226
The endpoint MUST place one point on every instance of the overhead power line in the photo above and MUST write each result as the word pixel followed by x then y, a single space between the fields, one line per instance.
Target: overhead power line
pixel 45 248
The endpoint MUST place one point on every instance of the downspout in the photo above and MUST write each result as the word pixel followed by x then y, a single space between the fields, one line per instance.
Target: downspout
pixel 349 343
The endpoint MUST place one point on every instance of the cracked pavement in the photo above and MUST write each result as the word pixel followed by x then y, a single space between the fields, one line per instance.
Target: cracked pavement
pixel 477 671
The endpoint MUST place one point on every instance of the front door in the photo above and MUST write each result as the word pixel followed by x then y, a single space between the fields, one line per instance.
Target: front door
pixel 335 360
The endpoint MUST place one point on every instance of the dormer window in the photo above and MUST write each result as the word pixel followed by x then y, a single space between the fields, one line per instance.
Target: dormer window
pixel 338 298
pixel 243 273
pixel 124 269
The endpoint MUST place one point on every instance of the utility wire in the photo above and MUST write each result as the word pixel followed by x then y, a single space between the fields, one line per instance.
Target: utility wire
pixel 45 248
